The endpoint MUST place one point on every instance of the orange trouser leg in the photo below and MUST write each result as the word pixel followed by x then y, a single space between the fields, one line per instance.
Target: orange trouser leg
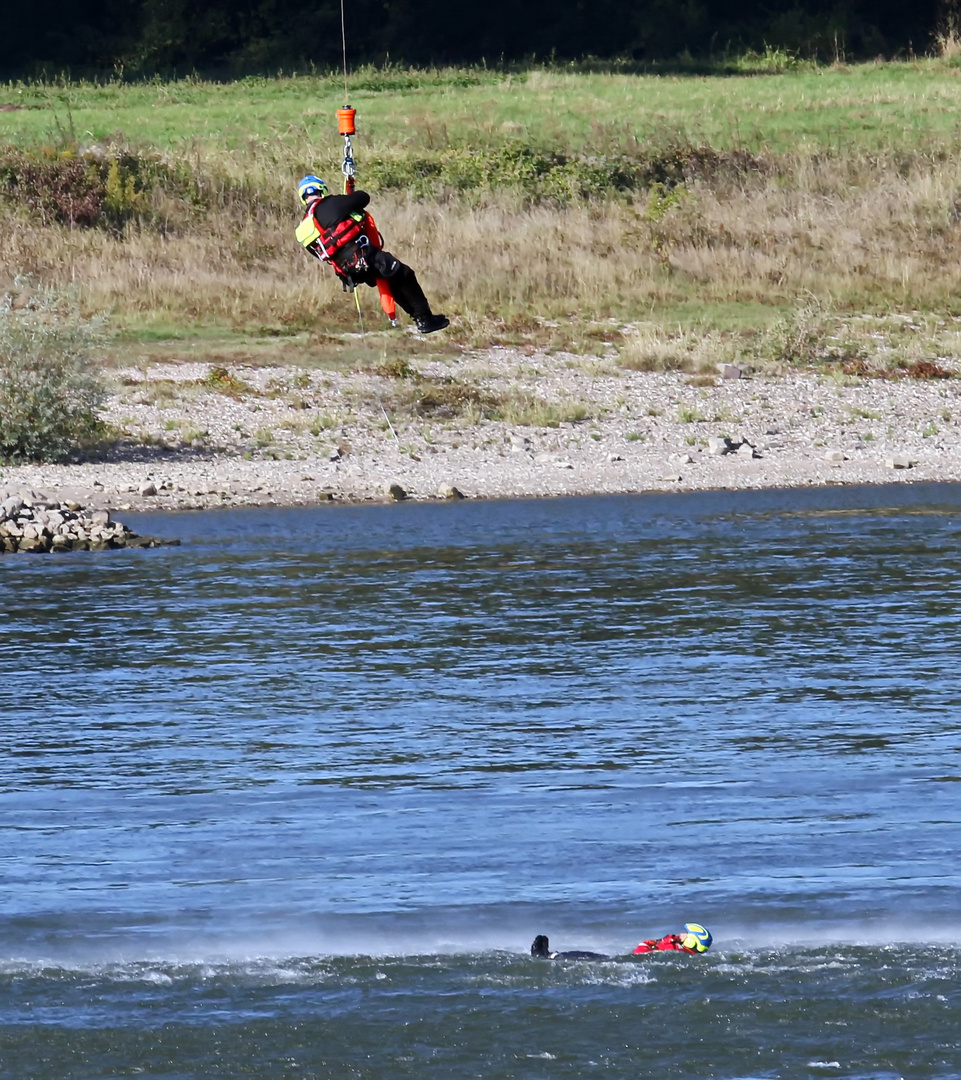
pixel 387 301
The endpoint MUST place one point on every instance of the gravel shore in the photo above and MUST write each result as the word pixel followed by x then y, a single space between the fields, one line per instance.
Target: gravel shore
pixel 197 437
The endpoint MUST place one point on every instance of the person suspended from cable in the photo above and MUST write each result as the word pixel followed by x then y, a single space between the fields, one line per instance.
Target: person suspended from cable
pixel 337 229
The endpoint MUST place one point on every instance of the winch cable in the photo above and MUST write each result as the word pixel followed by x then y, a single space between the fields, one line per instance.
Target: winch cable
pixel 346 116
pixel 345 125
pixel 343 42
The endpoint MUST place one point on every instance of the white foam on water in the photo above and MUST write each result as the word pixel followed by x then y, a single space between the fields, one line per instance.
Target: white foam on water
pixel 285 940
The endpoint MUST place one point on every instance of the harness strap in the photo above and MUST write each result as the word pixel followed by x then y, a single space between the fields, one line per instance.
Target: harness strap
pixel 327 243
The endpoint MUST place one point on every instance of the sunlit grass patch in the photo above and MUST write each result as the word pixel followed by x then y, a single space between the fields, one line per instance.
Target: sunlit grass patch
pixel 526 409
pixel 650 347
pixel 283 120
pixel 414 396
pixel 221 380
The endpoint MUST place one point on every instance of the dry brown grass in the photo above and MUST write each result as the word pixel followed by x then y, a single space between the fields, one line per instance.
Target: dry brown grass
pixel 947 38
pixel 852 234
pixel 650 347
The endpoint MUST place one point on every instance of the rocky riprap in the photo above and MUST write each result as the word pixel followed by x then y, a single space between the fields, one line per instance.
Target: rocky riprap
pixel 35 524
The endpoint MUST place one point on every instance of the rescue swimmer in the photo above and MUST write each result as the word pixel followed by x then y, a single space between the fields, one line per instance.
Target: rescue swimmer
pixel 338 230
pixel 694 939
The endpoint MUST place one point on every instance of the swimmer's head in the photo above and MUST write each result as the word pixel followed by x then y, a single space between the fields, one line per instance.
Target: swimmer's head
pixel 696 937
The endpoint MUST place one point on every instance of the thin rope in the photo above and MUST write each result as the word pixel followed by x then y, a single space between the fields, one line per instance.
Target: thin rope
pixel 386 417
pixel 360 314
pixel 343 40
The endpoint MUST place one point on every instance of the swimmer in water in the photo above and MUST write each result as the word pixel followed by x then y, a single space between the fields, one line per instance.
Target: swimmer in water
pixel 541 950
pixel 694 939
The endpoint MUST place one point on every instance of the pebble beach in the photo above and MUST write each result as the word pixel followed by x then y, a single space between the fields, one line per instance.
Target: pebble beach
pixel 272 436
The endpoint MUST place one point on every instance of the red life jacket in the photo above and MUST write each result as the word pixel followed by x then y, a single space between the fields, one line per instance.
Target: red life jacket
pixel 328 243
pixel 670 943
pixel 333 240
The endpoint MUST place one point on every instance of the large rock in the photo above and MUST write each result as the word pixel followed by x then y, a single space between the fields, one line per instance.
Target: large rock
pixel 718 446
pixel 10 507
pixel 30 544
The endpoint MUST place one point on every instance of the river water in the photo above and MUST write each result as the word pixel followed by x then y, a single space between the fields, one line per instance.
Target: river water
pixel 293 799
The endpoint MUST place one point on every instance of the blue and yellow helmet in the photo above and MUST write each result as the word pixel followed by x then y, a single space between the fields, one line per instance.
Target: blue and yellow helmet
pixel 696 937
pixel 311 186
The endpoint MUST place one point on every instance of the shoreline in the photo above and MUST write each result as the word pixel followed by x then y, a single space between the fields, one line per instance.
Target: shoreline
pixel 276 437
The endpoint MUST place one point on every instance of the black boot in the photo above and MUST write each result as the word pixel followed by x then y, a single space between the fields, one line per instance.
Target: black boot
pixel 427 324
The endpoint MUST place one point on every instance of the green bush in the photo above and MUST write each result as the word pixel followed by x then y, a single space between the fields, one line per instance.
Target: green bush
pixel 546 173
pixel 50 396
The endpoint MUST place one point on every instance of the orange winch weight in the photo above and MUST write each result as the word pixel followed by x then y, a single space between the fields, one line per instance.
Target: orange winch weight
pixel 345 120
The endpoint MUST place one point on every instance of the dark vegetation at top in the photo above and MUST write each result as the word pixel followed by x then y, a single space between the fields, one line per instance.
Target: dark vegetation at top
pixel 141 38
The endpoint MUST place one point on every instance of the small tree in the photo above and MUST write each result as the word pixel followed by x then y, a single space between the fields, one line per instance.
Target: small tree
pixel 50 395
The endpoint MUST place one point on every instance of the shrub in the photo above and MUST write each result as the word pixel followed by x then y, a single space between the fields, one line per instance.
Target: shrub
pixel 50 398
pixel 798 338
pixel 221 380
pixel 121 198
pixel 108 187
pixel 552 173
pixel 63 190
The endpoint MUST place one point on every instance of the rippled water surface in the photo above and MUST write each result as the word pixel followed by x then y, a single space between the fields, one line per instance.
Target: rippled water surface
pixel 293 798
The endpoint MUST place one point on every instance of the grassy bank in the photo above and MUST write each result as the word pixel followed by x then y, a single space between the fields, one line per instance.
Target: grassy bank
pixel 791 214
pixel 771 109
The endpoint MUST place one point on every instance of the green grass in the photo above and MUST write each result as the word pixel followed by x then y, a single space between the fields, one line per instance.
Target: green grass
pixel 290 121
